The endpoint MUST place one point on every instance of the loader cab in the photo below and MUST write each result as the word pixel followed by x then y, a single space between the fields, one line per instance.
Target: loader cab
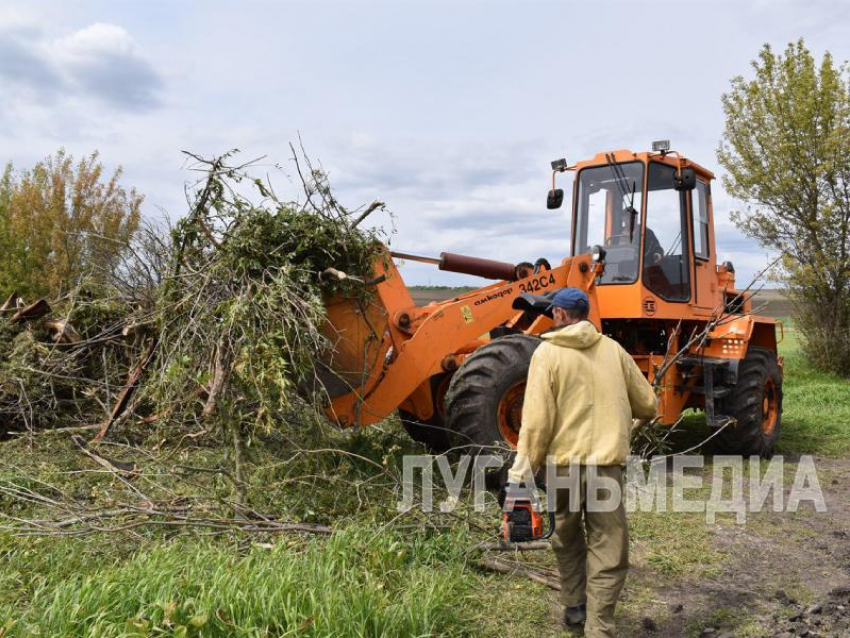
pixel 650 214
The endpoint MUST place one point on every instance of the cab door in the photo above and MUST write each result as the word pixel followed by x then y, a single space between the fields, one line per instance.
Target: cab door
pixel 705 275
pixel 667 264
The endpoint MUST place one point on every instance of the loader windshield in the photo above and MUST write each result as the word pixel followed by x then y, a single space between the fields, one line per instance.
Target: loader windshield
pixel 607 216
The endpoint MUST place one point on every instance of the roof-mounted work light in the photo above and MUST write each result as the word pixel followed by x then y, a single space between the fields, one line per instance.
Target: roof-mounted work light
pixel 559 165
pixel 661 146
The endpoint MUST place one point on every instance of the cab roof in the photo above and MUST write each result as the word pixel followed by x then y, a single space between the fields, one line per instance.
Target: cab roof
pixel 673 158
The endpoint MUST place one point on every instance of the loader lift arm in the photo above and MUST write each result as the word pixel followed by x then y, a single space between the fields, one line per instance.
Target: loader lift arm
pixel 420 342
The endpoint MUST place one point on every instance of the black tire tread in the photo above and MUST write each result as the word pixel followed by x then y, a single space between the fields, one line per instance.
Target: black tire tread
pixel 744 404
pixel 472 393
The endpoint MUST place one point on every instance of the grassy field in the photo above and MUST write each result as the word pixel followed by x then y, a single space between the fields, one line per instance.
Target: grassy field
pixel 368 578
pixel 816 406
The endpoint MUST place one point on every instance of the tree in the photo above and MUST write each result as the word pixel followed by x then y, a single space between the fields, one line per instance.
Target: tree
pixel 786 148
pixel 62 221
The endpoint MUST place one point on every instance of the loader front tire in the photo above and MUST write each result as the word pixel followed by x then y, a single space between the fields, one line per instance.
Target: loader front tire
pixel 755 404
pixel 432 433
pixel 484 401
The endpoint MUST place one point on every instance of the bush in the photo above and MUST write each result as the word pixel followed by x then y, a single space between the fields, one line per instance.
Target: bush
pixel 61 221
pixel 785 148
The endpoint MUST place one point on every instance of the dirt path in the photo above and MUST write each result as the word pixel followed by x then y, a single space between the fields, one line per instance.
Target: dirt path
pixel 781 574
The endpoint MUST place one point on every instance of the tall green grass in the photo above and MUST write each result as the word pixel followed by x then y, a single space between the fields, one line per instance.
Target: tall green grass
pixel 355 583
pixel 815 406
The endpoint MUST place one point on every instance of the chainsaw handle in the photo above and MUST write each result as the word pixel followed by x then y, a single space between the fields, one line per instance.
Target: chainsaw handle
pixel 551 530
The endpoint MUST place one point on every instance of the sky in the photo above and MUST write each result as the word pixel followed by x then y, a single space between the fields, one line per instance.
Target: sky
pixel 449 112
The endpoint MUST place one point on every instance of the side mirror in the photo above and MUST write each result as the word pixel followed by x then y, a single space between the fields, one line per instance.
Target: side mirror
pixel 555 198
pixel 686 180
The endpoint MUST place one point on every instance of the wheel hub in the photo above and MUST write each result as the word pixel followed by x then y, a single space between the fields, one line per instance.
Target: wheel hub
pixel 510 413
pixel 769 407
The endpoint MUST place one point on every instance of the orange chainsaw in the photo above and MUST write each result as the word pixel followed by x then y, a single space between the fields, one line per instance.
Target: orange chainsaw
pixel 522 520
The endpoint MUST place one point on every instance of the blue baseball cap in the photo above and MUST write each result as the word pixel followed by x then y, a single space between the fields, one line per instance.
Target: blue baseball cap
pixel 570 299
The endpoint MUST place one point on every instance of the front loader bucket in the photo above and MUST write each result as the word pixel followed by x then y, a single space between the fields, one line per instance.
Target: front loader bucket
pixel 355 328
pixel 358 325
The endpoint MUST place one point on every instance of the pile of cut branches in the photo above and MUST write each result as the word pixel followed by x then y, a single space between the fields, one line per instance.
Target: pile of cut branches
pixel 217 323
pixel 61 364
pixel 238 317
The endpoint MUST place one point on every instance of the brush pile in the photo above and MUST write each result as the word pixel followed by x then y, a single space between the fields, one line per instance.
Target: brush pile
pixel 59 365
pixel 218 322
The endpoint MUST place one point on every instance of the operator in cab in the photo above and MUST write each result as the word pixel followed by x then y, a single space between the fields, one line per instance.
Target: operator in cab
pixel 582 393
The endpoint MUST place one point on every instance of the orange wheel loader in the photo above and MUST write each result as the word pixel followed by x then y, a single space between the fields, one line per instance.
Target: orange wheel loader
pixel 643 248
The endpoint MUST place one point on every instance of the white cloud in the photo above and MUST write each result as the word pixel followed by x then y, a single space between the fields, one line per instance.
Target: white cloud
pixel 101 62
pixel 97 40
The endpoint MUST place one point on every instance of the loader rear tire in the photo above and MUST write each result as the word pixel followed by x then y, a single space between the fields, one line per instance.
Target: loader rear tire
pixel 484 401
pixel 756 405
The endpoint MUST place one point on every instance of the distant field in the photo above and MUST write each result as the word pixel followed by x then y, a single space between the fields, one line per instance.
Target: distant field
pixel 771 303
pixel 426 294
pixel 775 303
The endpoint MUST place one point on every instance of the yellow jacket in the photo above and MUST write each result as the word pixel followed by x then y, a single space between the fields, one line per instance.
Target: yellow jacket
pixel 583 392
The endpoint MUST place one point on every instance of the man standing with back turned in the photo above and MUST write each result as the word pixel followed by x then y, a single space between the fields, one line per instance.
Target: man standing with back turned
pixel 583 391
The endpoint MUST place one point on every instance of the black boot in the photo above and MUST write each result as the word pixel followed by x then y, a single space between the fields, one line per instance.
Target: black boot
pixel 575 615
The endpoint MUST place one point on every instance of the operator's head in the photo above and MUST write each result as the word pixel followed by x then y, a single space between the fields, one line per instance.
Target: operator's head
pixel 569 306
